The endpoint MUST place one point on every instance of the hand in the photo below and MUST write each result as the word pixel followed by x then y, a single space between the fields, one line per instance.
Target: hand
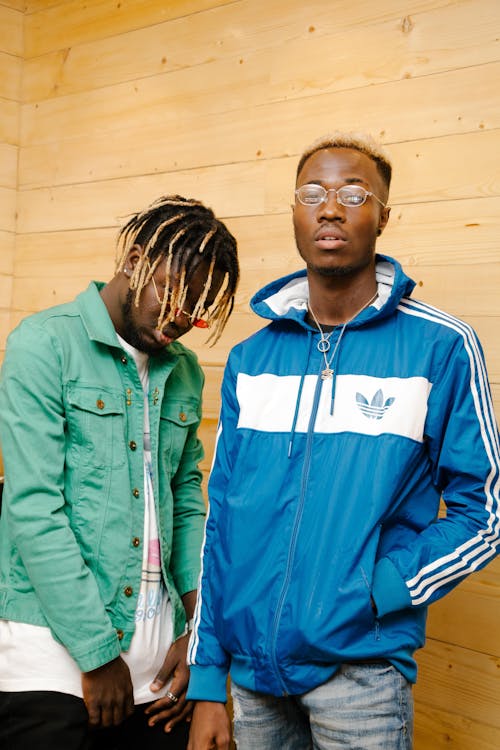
pixel 210 727
pixel 174 668
pixel 108 694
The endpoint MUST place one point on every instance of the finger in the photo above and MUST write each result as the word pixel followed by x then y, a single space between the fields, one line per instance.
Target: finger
pixel 164 710
pixel 172 697
pixel 185 715
pixel 129 705
pixel 119 714
pixel 164 673
pixel 108 716
pixel 160 704
pixel 94 712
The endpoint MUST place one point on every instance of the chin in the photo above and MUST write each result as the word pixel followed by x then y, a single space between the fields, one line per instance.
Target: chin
pixel 339 271
pixel 333 271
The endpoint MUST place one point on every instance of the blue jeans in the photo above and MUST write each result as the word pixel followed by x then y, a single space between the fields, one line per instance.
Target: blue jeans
pixel 363 707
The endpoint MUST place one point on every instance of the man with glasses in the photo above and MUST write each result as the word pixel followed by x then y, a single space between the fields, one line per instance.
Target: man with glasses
pixel 102 517
pixel 343 422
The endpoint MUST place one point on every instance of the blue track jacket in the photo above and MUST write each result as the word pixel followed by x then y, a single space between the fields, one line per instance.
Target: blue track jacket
pixel 325 493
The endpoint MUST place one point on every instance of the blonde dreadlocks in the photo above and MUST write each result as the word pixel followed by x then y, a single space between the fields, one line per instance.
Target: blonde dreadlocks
pixel 181 231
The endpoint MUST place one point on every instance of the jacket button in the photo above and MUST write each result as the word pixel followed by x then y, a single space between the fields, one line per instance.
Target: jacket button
pixel 182 416
pixel 124 360
pixel 100 403
pixel 120 634
pixel 132 445
pixel 128 591
pixel 136 541
pixel 135 492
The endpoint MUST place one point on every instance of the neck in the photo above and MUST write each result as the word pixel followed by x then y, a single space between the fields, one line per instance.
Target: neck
pixel 337 304
pixel 113 295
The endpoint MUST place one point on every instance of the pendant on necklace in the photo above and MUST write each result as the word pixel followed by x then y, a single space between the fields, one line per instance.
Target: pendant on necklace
pixel 326 374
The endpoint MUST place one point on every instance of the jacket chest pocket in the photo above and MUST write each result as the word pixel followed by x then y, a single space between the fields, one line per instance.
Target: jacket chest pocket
pixel 95 426
pixel 176 419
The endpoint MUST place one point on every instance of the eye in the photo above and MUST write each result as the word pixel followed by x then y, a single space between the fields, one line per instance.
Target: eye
pixel 310 195
pixel 352 196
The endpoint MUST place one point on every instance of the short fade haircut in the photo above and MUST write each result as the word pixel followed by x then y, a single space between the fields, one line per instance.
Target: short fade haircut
pixel 361 142
pixel 183 232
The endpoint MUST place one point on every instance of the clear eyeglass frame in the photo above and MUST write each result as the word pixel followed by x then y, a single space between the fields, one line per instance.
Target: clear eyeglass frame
pixel 351 196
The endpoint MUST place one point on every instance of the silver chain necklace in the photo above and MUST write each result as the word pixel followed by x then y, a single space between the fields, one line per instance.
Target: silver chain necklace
pixel 323 344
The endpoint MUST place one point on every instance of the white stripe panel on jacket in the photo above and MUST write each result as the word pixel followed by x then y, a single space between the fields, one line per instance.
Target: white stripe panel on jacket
pixel 195 639
pixel 477 550
pixel 363 404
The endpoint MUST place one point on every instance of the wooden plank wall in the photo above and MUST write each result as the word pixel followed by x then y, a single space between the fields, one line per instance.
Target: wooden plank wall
pixel 122 102
pixel 11 60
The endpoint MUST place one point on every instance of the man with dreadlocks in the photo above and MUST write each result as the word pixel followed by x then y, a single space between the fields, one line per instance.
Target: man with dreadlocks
pixel 103 515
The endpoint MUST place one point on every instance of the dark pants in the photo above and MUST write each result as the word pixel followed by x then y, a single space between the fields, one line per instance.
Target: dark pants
pixel 44 720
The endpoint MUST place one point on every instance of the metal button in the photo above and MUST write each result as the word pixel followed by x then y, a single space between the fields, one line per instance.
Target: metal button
pixel 128 591
pixel 100 403
pixel 124 360
pixel 182 416
pixel 136 541
pixel 135 492
pixel 132 445
pixel 120 634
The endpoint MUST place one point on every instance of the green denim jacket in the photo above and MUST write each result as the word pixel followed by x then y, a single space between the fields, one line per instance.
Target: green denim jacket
pixel 71 428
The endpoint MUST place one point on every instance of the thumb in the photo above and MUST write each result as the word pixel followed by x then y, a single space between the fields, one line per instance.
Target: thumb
pixel 163 676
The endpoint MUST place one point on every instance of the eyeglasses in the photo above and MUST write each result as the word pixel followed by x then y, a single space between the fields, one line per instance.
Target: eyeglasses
pixel 195 322
pixel 351 196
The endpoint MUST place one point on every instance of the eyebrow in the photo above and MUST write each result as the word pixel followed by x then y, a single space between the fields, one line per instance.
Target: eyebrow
pixel 347 181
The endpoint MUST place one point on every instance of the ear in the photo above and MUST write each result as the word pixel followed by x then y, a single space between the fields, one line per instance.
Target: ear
pixel 384 218
pixel 133 256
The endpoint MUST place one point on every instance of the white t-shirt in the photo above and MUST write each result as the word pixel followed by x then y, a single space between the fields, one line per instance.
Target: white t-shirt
pixel 30 658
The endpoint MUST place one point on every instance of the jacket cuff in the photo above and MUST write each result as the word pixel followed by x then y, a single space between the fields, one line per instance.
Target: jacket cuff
pixel 389 591
pixel 96 655
pixel 187 581
pixel 207 683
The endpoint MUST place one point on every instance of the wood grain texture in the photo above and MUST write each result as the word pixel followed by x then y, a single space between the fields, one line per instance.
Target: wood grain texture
pixel 10 76
pixel 469 611
pixel 8 165
pixel 14 4
pixel 236 30
pixel 5 328
pixel 59 156
pixel 7 243
pixel 442 730
pixel 426 170
pixel 125 101
pixel 76 22
pixel 11 48
pixel 460 681
pixel 9 121
pixel 11 30
pixel 8 209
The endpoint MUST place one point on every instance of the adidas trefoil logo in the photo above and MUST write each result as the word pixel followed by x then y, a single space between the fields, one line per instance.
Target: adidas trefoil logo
pixel 377 408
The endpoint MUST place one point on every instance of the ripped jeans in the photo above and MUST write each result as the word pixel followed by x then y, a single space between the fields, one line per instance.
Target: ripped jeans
pixel 365 706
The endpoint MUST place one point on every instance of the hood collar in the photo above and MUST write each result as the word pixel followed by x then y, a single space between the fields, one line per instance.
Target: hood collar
pixel 288 297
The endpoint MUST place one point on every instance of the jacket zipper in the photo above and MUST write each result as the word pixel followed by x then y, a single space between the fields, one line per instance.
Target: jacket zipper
pixel 295 531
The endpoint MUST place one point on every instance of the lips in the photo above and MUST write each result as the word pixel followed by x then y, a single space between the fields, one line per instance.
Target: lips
pixel 161 338
pixel 329 234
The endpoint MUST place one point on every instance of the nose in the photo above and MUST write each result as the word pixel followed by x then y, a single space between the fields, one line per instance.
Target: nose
pixel 331 209
pixel 180 324
pixel 183 320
